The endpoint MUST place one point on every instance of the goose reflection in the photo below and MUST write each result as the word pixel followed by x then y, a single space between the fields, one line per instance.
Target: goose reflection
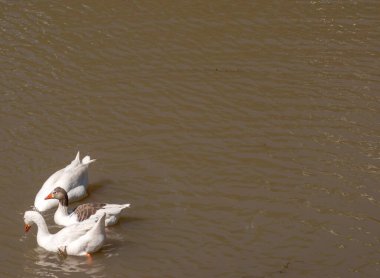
pixel 48 264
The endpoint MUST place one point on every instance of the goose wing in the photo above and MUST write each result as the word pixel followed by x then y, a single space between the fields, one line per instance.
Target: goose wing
pixel 84 211
pixel 73 232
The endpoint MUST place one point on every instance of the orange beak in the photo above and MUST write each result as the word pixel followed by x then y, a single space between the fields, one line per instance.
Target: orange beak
pixel 27 228
pixel 50 196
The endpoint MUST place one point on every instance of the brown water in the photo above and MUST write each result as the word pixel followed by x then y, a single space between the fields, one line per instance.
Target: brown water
pixel 245 134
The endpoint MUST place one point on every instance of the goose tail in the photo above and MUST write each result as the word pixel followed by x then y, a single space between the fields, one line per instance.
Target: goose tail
pixel 87 160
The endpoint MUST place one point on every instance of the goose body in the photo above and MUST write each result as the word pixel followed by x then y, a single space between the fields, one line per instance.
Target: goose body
pixel 80 240
pixel 82 212
pixel 73 178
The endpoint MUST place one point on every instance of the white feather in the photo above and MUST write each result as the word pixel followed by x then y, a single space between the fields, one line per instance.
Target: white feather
pixel 73 178
pixel 79 239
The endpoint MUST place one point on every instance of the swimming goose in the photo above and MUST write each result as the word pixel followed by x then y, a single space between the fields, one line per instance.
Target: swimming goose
pixel 82 212
pixel 80 239
pixel 73 178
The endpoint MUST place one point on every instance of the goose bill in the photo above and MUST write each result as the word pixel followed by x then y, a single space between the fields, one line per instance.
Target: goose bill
pixel 49 197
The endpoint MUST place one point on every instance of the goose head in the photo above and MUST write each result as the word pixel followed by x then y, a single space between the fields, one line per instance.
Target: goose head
pixel 60 194
pixel 30 217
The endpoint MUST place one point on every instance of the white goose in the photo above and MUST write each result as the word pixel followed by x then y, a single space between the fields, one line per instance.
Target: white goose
pixel 80 240
pixel 73 178
pixel 82 212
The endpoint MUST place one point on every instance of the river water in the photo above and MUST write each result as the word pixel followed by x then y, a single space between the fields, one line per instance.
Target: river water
pixel 245 134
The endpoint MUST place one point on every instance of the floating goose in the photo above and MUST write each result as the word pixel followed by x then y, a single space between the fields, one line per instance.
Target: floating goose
pixel 73 178
pixel 82 212
pixel 81 239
